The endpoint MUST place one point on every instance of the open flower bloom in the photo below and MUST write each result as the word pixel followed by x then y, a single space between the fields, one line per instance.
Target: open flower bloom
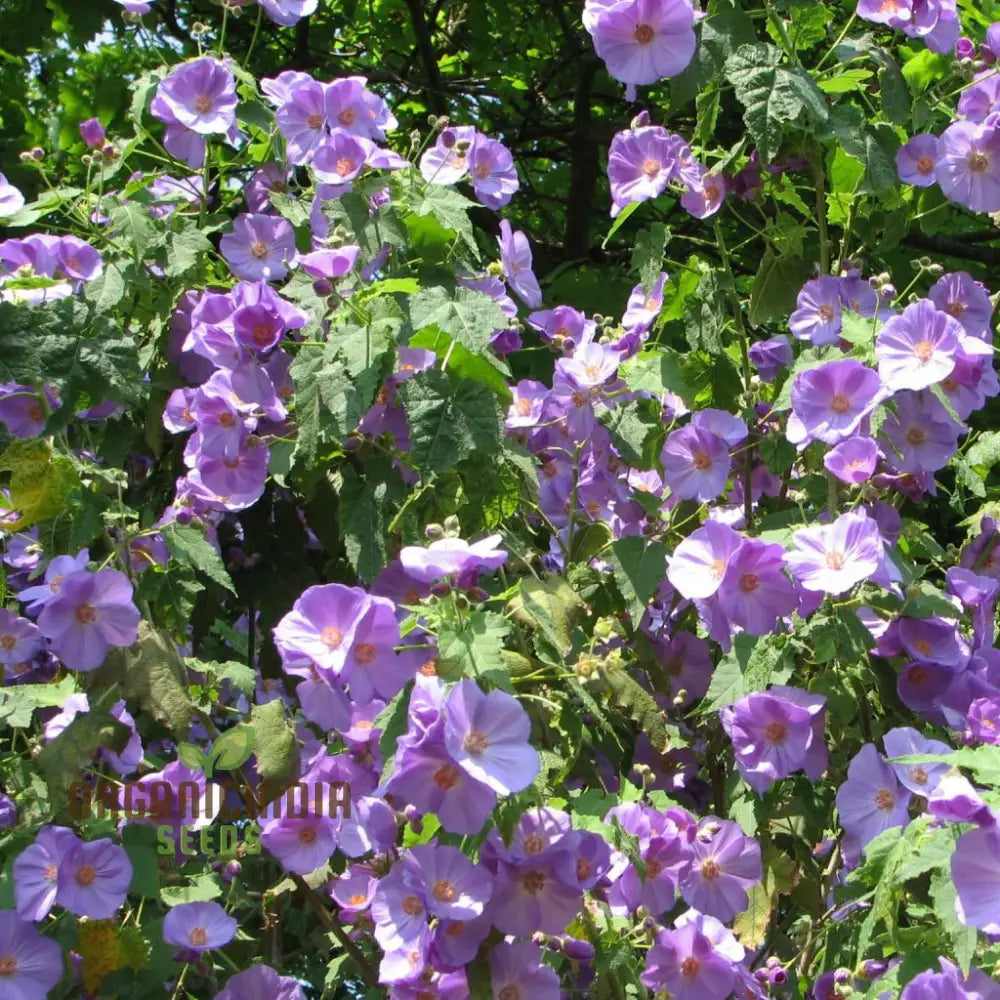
pixel 917 348
pixel 832 558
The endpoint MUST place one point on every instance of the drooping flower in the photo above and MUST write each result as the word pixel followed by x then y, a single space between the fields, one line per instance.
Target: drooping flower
pixel 917 348
pixel 516 259
pixel 11 199
pixel 487 736
pixel 852 461
pixel 769 357
pixel 198 927
pixel 975 870
pixel 965 299
pixel 452 558
pixel 492 171
pixel 818 314
pixel 20 640
pixel 288 12
pixel 643 41
pixel 832 558
pixel 872 799
pixel 90 613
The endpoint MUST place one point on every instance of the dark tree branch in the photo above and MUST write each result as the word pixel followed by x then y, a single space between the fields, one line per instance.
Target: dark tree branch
pixel 584 166
pixel 422 31
pixel 953 246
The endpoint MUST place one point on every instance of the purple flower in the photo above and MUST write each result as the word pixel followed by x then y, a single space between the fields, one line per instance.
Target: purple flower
pixel 685 963
pixel 487 736
pixel 452 557
pixel 351 106
pixel 517 973
pixel 725 863
pixel 447 161
pixel 917 348
pixel 261 982
pixel 771 356
pixel 494 178
pixel 984 720
pixel 11 200
pixel 301 844
pixel 698 564
pixel 894 13
pixel 774 735
pixel 288 12
pixel 515 257
pixel 968 166
pixel 19 639
pixel 301 119
pixel 641 162
pixel 330 264
pixel 92 133
pixel 321 627
pixel 643 41
pixel 920 436
pixel 965 299
pixel 22 409
pixel 260 247
pixel 830 401
pixel 8 812
pixel 705 197
pixel 954 799
pixel 531 894
pixel 852 461
pixel 93 879
pixel 36 871
pixel 198 927
pixel 871 800
pixel 755 591
pixel 832 558
pixel 91 612
pixel 916 161
pixel 200 95
pixel 30 965
pixel 818 316
pixel 695 464
pixel 975 870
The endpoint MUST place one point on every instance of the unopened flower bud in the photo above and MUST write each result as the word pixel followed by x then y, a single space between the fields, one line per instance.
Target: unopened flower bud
pixel 434 532
pixel 935 270
pixel 578 950
pixel 842 975
pixel 462 146
pixel 452 525
pixel 92 133
pixel 432 120
pixel 25 157
pixel 641 120
pixel 38 154
pixel 447 138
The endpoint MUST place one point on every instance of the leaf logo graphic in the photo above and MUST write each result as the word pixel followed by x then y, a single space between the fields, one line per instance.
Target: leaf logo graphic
pixel 231 750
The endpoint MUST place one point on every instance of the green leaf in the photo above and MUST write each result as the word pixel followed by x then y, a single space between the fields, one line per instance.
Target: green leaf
pixel 873 147
pixel 288 207
pixel 705 315
pixel 473 648
pixel 185 250
pixel 751 665
pixel 391 723
pixel 647 256
pixel 449 421
pixel 40 484
pixel 640 567
pixel 656 372
pixel 450 208
pixel 469 317
pixel 366 505
pixel 551 606
pixel 484 367
pixel 192 757
pixel 963 939
pixel 135 225
pixel 773 96
pixel 274 743
pixel 139 842
pixel 845 81
pixel 201 889
pixel 233 748
pixel 639 705
pixel 775 287
pixel 239 675
pixel 61 762
pixel 191 548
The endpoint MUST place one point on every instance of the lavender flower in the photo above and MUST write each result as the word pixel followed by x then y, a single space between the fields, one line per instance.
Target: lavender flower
pixel 917 348
pixel 198 927
pixel 259 247
pixel 833 558
pixel 975 870
pixel 916 161
pixel 30 965
pixel 200 95
pixel 93 879
pixel 871 800
pixel 829 402
pixel 968 166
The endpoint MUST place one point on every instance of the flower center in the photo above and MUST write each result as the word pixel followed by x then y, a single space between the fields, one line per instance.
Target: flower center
pixel 690 967
pixel 533 844
pixel 840 403
pixel 718 568
pixel 8 966
pixel 347 116
pixel 446 776
pixel 979 162
pixel 710 869
pixel 428 669
pixel 7 641
pixel 198 937
pixel 835 560
pixel 917 675
pixel 85 614
pixel 262 334
pixel 651 167
pixel 476 743
pixel 365 653
pixel 483 171
pixel 315 121
pixel 956 309
pixel 523 407
pixel 653 868
pixel 644 33
pixel 227 420
pixel 919 775
pixel 916 435
pixel 884 799
pixel 35 411
pixel 775 732
pixel 534 881
pixel 258 250
pixel 925 165
pixel 923 646
pixel 749 582
pixel 344 166
pixel 701 461
pixel 583 868
pixel 357 899
pixel 509 993
pixel 825 313
pixel 412 906
pixel 203 104
pixel 85 875
pixel 331 637
pixel 307 835
pixel 924 350
pixel 51 873
pixel 444 891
